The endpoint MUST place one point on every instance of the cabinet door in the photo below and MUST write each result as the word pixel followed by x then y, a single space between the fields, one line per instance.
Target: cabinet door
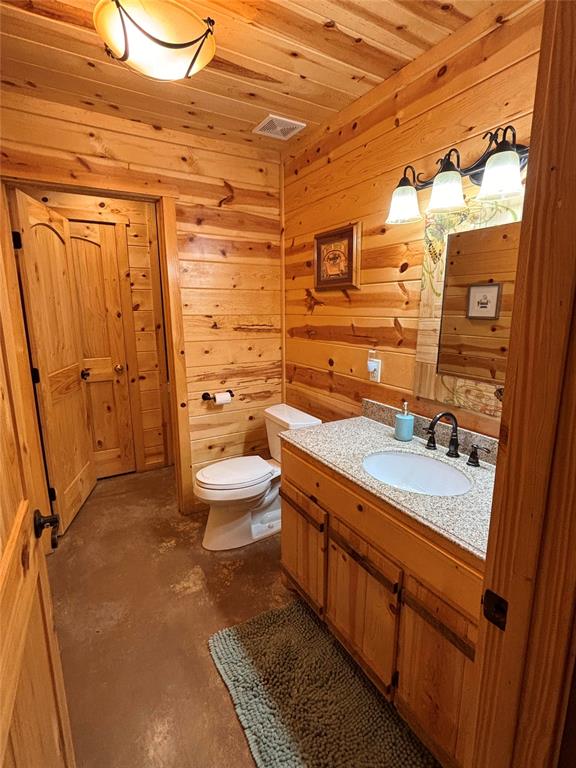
pixel 437 683
pixel 303 542
pixel 362 602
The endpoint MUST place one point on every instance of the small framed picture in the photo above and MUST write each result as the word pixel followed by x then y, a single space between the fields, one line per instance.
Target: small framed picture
pixel 484 301
pixel 336 258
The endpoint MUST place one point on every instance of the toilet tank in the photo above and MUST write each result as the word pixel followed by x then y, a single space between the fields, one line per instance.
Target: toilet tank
pixel 281 417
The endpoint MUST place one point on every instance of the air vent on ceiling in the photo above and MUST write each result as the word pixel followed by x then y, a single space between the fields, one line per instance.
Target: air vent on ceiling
pixel 279 127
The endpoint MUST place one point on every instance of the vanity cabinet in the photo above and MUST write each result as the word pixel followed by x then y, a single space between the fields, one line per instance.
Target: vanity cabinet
pixel 437 683
pixel 363 588
pixel 402 599
pixel 303 544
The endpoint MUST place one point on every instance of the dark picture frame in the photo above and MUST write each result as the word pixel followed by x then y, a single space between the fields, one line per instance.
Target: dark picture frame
pixel 484 300
pixel 336 258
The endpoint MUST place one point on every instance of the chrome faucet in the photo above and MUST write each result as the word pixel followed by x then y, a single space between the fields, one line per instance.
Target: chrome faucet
pixel 453 444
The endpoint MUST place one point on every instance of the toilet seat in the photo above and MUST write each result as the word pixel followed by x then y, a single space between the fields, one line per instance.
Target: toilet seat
pixel 232 474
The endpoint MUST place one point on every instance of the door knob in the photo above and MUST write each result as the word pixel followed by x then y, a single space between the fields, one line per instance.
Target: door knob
pixel 119 368
pixel 47 521
pixel 85 373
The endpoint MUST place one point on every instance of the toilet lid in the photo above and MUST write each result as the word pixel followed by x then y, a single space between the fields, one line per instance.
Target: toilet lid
pixel 240 472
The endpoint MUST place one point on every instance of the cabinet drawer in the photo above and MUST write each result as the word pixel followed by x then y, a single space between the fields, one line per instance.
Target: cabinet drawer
pixel 362 602
pixel 380 524
pixel 303 545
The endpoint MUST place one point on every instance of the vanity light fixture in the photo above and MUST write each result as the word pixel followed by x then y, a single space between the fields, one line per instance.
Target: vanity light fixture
pixel 497 170
pixel 163 39
pixel 404 204
pixel 502 177
pixel 447 193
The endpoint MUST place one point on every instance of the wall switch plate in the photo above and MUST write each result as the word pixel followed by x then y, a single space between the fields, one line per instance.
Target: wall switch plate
pixel 374 368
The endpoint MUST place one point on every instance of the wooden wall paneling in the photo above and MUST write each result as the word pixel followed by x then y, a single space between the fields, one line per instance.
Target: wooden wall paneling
pixel 348 173
pixel 252 443
pixel 169 156
pixel 172 303
pixel 159 333
pixel 526 669
pixel 227 234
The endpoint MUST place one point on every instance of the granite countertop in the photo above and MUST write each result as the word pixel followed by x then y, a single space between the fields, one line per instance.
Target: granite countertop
pixel 342 446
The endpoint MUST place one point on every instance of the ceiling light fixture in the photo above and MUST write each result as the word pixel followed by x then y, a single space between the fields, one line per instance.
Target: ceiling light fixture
pixel 497 170
pixel 162 39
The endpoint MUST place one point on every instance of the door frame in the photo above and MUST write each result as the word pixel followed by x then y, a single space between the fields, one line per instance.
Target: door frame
pixel 165 206
pixel 526 669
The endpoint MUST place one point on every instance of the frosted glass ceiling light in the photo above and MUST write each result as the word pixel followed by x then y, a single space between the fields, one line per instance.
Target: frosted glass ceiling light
pixel 404 204
pixel 162 39
pixel 501 178
pixel 447 193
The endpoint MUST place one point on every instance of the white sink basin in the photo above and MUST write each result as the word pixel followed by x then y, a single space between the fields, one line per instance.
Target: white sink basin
pixel 416 473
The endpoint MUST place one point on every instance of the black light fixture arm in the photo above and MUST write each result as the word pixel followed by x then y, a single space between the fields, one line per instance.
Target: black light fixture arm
pixel 444 164
pixel 200 40
pixel 405 181
pixel 500 140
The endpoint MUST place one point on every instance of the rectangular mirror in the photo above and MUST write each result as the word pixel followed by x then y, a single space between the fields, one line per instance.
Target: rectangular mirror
pixel 477 303
pixel 466 297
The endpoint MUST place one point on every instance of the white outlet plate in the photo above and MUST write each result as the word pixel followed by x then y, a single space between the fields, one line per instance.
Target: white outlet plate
pixel 375 370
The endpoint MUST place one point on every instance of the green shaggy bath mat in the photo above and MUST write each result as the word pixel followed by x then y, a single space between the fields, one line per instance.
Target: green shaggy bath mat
pixel 302 701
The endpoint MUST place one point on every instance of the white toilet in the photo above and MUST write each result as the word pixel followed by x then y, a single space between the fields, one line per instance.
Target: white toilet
pixel 243 492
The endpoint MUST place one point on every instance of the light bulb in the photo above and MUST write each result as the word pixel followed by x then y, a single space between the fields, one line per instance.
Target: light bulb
pixel 501 177
pixel 447 194
pixel 404 205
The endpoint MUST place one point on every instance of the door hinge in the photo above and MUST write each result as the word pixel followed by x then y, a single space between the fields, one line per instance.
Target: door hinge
pixel 52 494
pixel 394 679
pixel 495 609
pixel 16 239
pixel 35 376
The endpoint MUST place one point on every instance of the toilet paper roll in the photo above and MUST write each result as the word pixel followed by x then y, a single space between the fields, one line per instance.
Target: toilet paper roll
pixel 221 398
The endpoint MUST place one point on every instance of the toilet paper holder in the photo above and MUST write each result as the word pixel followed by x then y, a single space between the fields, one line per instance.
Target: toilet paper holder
pixel 208 396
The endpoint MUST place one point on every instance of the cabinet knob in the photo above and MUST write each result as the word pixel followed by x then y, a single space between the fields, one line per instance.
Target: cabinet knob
pixel 119 368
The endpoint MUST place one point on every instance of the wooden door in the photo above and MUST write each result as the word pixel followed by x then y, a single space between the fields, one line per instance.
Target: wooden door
pixel 437 676
pixel 362 602
pixel 51 307
pixel 303 542
pixel 103 346
pixel 34 724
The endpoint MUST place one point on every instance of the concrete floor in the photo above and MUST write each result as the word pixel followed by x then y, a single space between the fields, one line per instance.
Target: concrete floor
pixel 136 599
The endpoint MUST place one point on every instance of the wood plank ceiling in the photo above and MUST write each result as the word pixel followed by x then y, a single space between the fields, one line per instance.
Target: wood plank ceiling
pixel 295 58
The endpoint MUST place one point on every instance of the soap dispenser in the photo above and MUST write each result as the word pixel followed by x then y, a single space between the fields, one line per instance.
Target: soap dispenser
pixel 404 428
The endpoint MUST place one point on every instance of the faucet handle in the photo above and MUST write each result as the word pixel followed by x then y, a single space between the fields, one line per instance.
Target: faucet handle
pixel 431 444
pixel 473 460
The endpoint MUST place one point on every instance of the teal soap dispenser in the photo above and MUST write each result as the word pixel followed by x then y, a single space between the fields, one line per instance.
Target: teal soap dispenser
pixel 404 428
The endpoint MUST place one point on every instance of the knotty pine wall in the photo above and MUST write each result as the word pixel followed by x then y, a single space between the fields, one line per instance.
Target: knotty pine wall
pixel 228 223
pixel 348 172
